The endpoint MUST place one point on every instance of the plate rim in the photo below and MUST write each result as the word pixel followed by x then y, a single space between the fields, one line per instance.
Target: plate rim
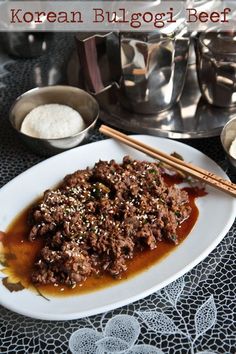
pixel 140 295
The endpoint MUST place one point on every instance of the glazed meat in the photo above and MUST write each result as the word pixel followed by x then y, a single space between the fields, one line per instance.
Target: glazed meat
pixel 98 218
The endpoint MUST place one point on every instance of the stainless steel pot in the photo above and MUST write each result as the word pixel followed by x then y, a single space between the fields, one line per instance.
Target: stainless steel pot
pixel 216 67
pixel 26 44
pixel 153 70
pixel 149 68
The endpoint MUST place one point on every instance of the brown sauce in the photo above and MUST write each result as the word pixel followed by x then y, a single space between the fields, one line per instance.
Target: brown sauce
pixel 15 242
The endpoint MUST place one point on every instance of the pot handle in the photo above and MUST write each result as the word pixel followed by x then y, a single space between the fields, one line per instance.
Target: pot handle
pixel 94 56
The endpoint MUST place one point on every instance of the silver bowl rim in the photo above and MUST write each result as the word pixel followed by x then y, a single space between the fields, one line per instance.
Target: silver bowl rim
pixel 52 87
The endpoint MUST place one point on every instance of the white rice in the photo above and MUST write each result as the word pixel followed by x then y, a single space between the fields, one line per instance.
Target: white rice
pixel 52 121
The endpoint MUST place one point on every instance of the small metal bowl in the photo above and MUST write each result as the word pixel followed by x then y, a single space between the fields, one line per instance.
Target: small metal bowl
pixel 73 97
pixel 227 136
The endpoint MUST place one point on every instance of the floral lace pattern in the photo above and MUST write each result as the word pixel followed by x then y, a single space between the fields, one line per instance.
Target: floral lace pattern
pixel 121 332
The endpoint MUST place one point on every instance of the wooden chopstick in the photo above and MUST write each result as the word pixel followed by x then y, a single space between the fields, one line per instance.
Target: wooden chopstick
pixel 192 170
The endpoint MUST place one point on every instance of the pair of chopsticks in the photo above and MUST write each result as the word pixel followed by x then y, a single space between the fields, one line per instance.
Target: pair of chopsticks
pixel 192 170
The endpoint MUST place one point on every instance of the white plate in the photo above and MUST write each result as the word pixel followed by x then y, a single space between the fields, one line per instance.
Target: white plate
pixel 217 213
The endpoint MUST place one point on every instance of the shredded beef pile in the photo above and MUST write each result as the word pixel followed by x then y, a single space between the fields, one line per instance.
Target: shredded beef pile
pixel 99 217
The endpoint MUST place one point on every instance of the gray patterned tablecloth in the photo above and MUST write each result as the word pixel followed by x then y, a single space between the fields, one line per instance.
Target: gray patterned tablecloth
pixel 195 314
